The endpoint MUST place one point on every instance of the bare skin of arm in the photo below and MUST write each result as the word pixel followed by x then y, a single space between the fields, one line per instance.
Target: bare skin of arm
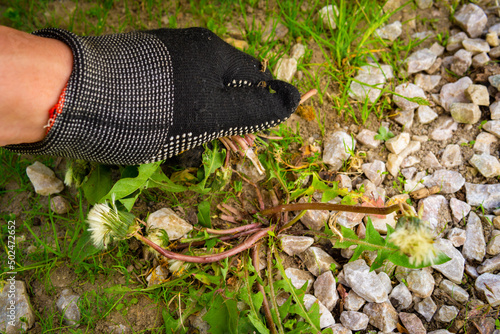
pixel 33 72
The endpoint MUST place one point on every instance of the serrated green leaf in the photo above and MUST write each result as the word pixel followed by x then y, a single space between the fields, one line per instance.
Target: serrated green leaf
pixel 97 184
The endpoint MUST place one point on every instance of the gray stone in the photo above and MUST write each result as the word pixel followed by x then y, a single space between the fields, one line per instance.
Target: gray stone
pixel 420 60
pixel 364 282
pixel 67 304
pixel 336 149
pixel 454 92
pixel 344 181
pixel 367 137
pixel 325 317
pixel 480 60
pixel 468 113
pixel 405 119
pixel 493 247
pixel 455 41
pixel 340 329
pixel 299 278
pixel 441 331
pixel 493 127
pixel 489 265
pixel 386 280
pixel 486 164
pixel 454 291
pixel 495 52
pixel 298 51
pixel 273 31
pixel 474 247
pixel 293 245
pixel 328 15
pixel 420 282
pixel 427 82
pixel 472 19
pixel 415 183
pixel 364 89
pixel 495 29
pixel 412 323
pixel 446 313
pixel 390 31
pixel 375 171
pixel 487 195
pixel 410 161
pixel 167 220
pixel 437 49
pixel 461 62
pixel 496 220
pixel 476 45
pixel 453 269
pixel 394 160
pixel 444 129
pixel 317 260
pixel 16 313
pixel 459 209
pixel 430 161
pixel 457 236
pixel 349 219
pixel 353 301
pixel 435 67
pixel 286 69
pixel 495 110
pixel 59 205
pixel 483 142
pixel 380 224
pixel 355 321
pixel 408 90
pixel 400 297
pixel 495 80
pixel 478 94
pixel 382 315
pixel 452 156
pixel 325 289
pixel 424 4
pixel 159 275
pixel 398 143
pixel 43 179
pixel 492 39
pixel 489 284
pixel 314 219
pixel 449 181
pixel 426 308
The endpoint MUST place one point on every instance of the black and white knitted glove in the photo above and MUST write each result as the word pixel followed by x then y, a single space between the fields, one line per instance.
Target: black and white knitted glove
pixel 146 96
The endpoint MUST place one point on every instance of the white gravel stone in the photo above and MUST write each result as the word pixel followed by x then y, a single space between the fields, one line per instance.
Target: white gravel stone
pixel 486 164
pixel 336 149
pixel 420 282
pixel 494 80
pixel 43 179
pixel 286 69
pixel 489 284
pixel 444 129
pixel 325 289
pixel 472 19
pixel 391 31
pixel 353 302
pixel 461 62
pixel 293 245
pixel 412 323
pixel 167 220
pixel 490 265
pixel 386 281
pixel 67 304
pixel 314 219
pixel 382 315
pixel 298 51
pixel 380 224
pixel 474 247
pixel 492 39
pixel 426 308
pixel 299 278
pixel 344 181
pixel 408 90
pixel 23 317
pixel 454 92
pixel 405 119
pixel 468 113
pixel 420 60
pixel 325 317
pixel 480 60
pixel 59 205
pixel 459 209
pixel 452 156
pixel 493 247
pixel 455 41
pixel 427 82
pixel 487 195
pixel 454 291
pixel 495 29
pixel 355 321
pixel 317 260
pixel 367 137
pixel 340 329
pixel 493 127
pixel 375 171
pixel 349 219
pixel 483 142
pixel 437 49
pixel 430 161
pixel 394 161
pixel 476 45
pixel 410 161
pixel 328 16
pixel 457 236
pixel 364 282
pixel 453 269
pixel 398 143
pixel 495 52
pixel 449 181
pixel 446 313
pixel 400 297
pixel 495 110
pixel 478 94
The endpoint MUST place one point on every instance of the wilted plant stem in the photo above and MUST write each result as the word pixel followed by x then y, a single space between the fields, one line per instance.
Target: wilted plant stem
pixel 332 207
pixel 265 303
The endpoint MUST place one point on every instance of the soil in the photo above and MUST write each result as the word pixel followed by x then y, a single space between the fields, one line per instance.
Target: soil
pixel 146 314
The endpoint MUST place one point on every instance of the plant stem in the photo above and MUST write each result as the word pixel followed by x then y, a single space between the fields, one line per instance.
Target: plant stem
pixel 265 303
pixel 332 207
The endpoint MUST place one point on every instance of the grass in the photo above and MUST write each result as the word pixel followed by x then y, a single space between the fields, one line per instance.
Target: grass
pixel 224 290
